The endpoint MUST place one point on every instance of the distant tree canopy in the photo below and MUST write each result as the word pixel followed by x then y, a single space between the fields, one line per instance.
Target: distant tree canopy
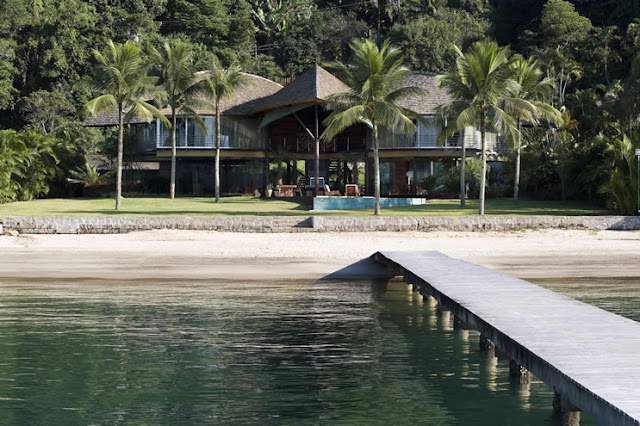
pixel 426 42
pixel 587 47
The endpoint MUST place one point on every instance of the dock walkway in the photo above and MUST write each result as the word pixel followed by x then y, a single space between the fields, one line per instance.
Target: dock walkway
pixel 590 357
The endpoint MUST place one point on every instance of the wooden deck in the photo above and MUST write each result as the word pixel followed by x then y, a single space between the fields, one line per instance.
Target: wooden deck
pixel 590 356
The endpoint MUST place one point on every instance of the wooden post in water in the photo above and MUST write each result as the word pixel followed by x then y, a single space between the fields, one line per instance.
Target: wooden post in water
pixel 487 346
pixel 518 373
pixel 569 412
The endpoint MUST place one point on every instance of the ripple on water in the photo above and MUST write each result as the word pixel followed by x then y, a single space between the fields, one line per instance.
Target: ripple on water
pixel 231 352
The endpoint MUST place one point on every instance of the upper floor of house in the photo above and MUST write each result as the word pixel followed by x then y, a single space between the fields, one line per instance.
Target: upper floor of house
pixel 263 115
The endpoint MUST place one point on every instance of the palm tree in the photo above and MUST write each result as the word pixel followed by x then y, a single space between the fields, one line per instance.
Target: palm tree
pixel 122 76
pixel 89 175
pixel 178 79
pixel 535 87
pixel 483 89
pixel 375 79
pixel 623 182
pixel 219 84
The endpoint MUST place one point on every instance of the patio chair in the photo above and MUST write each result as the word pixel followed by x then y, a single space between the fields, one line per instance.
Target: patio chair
pixel 329 193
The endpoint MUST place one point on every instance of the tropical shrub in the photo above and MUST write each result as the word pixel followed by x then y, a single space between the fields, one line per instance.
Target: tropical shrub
pixel 28 164
pixel 622 186
pixel 472 177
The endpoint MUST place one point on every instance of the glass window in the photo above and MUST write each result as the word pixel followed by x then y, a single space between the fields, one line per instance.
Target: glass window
pixel 390 138
pixel 427 135
pixel 164 137
pixel 145 135
pixel 236 132
pixel 240 133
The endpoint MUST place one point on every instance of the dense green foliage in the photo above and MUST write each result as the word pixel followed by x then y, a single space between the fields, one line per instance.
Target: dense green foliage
pixel 588 48
pixel 30 162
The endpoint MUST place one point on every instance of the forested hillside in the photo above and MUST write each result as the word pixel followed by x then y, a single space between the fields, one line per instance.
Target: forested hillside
pixel 589 48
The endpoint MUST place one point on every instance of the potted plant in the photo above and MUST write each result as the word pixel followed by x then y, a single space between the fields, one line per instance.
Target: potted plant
pixel 269 191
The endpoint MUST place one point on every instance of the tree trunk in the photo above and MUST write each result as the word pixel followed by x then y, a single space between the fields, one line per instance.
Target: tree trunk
pixel 516 183
pixel 483 177
pixel 463 183
pixel 316 158
pixel 120 154
pixel 172 186
pixel 217 161
pixel 376 172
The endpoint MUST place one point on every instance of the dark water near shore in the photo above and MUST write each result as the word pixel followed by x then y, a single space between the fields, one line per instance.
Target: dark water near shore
pixel 102 352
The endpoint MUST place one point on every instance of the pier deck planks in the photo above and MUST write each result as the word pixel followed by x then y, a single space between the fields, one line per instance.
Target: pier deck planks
pixel 591 356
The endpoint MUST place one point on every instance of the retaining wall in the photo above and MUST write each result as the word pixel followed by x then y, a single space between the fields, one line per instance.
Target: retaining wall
pixel 124 224
pixel 473 223
pixel 115 225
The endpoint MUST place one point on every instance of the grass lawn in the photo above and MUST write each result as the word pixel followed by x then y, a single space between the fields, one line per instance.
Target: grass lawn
pixel 245 205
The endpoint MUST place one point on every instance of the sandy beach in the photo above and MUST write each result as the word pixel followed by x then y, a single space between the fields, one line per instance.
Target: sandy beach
pixel 174 255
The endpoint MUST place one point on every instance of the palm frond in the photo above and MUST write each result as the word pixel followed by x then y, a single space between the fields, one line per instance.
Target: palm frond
pixel 103 103
pixel 339 120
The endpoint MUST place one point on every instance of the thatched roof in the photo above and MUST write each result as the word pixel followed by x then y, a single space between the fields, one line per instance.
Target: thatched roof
pixel 253 89
pixel 425 104
pixel 258 94
pixel 314 85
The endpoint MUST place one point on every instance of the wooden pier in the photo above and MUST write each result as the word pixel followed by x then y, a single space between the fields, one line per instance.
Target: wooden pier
pixel 590 357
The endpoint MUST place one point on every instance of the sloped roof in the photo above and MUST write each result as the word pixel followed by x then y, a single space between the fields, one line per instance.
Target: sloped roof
pixel 425 104
pixel 313 85
pixel 250 91
pixel 258 94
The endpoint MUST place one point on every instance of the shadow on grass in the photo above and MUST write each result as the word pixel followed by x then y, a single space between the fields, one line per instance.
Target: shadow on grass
pixel 250 206
pixel 500 207
pixel 185 213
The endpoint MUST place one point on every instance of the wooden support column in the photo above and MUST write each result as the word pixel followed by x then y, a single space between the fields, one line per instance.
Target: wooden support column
pixel 458 324
pixel 265 169
pixel 368 172
pixel 316 187
pixel 518 373
pixel 570 413
pixel 487 346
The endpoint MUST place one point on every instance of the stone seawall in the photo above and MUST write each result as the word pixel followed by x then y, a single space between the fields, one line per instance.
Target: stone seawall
pixel 124 224
pixel 473 223
pixel 116 225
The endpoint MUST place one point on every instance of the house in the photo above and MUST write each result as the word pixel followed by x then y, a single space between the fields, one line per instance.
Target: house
pixel 263 119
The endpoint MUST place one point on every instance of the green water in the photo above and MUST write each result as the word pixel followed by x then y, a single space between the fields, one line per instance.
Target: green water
pixel 618 295
pixel 101 352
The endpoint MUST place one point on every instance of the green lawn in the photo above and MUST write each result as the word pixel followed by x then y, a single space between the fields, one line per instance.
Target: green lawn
pixel 277 207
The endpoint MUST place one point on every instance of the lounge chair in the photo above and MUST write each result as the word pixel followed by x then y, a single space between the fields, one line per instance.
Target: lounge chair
pixel 329 193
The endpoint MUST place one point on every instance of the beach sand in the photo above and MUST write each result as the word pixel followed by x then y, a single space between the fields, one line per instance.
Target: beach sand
pixel 190 255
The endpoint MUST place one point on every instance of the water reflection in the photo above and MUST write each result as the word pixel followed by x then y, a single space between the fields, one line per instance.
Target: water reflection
pixel 220 352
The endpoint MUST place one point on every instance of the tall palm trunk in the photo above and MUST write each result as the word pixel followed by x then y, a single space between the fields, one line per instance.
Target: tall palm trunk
pixel 516 183
pixel 120 150
pixel 217 166
pixel 376 171
pixel 463 183
pixel 483 177
pixel 172 187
